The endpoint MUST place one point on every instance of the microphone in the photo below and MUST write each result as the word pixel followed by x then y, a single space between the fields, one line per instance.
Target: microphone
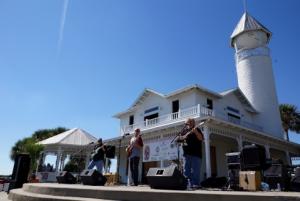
pixel 203 122
pixel 91 143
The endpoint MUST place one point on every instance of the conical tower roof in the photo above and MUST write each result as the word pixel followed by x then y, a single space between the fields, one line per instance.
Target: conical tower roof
pixel 248 23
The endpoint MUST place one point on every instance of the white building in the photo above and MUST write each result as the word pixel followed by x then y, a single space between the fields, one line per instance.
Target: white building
pixel 246 114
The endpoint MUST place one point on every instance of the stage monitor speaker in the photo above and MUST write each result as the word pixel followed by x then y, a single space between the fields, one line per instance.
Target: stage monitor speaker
pixel 20 171
pixel 65 177
pixel 92 177
pixel 110 151
pixel 166 178
pixel 253 157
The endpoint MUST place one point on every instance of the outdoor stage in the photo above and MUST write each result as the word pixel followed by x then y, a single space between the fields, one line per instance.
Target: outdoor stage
pixel 77 192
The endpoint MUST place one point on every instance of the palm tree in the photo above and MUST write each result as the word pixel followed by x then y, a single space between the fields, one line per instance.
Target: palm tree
pixel 290 117
pixel 29 144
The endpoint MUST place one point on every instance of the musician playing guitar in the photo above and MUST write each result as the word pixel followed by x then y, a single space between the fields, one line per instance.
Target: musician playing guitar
pixel 134 151
pixel 97 156
pixel 192 153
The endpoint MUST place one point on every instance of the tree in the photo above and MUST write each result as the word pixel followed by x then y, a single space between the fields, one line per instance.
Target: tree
pixel 29 144
pixel 290 117
pixel 43 134
pixel 75 164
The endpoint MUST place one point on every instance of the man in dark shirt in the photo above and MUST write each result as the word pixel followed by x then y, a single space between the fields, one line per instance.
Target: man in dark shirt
pixel 98 156
pixel 192 153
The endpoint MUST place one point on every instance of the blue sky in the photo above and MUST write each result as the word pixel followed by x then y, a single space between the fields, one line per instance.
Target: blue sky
pixel 112 49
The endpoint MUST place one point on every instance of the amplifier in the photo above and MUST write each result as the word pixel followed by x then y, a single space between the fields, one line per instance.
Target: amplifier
pixel 253 158
pixel 233 160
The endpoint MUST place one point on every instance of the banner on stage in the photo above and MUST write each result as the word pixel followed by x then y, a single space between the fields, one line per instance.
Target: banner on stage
pixel 162 149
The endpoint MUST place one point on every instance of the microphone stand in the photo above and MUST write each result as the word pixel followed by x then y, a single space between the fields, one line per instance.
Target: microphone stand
pixel 180 133
pixel 84 148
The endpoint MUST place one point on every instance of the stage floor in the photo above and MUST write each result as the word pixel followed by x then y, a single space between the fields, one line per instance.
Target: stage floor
pixel 3 196
pixel 52 191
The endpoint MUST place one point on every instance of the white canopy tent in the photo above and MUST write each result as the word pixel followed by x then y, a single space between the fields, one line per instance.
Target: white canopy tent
pixel 72 142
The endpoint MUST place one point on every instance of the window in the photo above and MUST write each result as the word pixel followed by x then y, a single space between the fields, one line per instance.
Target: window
pixel 231 109
pixel 151 110
pixel 151 120
pixel 152 116
pixel 131 120
pixel 209 103
pixel 175 106
pixel 233 115
pixel 234 118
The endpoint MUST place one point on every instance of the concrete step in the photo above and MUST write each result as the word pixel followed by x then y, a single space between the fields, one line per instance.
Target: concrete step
pixel 124 193
pixel 21 195
pixel 3 196
pixel 42 191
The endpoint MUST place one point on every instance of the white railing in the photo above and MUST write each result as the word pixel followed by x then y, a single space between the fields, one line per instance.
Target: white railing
pixel 196 111
pixel 192 112
pixel 240 122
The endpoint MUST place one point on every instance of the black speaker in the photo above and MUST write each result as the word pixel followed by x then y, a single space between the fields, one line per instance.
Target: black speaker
pixel 166 178
pixel 253 157
pixel 65 177
pixel 20 171
pixel 276 170
pixel 92 177
pixel 295 184
pixel 110 151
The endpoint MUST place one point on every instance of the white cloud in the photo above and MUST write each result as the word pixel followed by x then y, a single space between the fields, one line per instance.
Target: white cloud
pixel 62 26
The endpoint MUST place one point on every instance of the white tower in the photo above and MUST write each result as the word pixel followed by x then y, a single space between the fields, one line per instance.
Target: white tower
pixel 255 74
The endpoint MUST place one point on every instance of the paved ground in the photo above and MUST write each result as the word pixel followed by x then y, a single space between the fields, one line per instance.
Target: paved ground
pixel 3 196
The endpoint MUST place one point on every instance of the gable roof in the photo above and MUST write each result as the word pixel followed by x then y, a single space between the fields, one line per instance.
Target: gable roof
pixel 73 136
pixel 242 98
pixel 248 23
pixel 191 87
pixel 146 92
pixel 141 98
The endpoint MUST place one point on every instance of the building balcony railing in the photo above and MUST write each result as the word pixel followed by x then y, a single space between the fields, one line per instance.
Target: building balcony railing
pixel 181 115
